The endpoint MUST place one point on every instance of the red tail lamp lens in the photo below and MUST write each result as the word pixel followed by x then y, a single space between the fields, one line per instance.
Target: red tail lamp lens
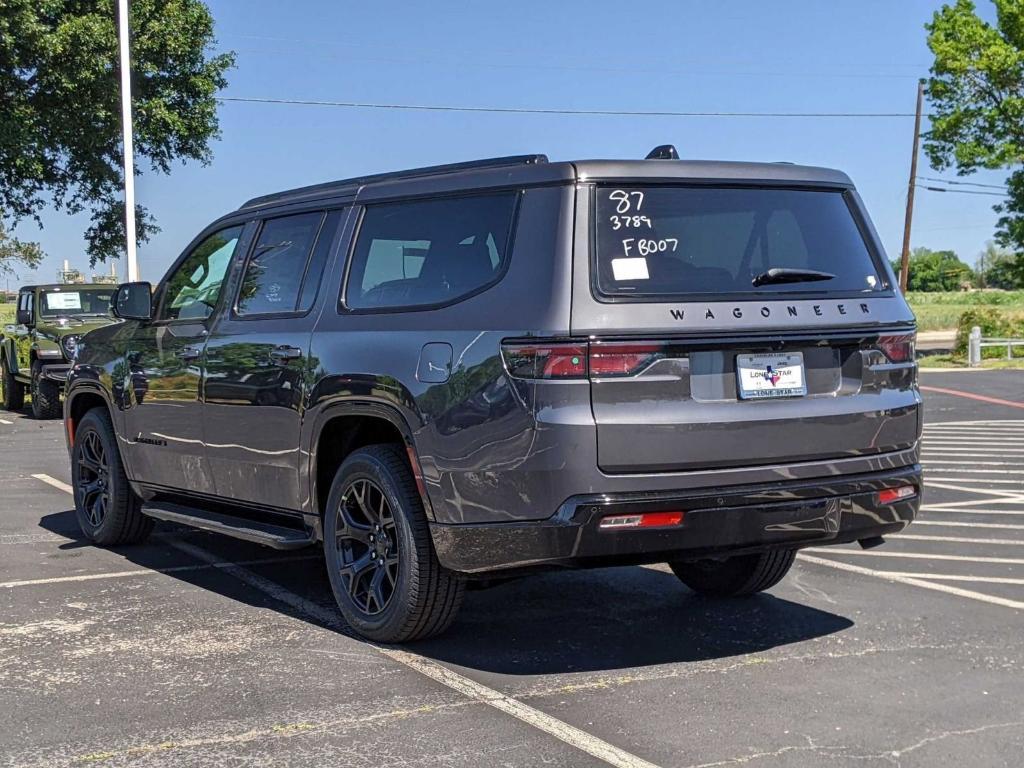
pixel 644 520
pixel 890 495
pixel 548 361
pixel 899 349
pixel 622 359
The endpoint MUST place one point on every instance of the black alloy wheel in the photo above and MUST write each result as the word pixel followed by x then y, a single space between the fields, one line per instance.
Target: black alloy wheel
pixel 93 477
pixel 368 548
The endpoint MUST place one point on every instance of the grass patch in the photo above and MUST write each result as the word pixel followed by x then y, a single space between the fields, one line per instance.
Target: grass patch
pixel 941 311
pixel 6 314
pixel 953 361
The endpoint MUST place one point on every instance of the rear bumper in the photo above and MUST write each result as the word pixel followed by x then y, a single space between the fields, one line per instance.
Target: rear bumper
pixel 715 523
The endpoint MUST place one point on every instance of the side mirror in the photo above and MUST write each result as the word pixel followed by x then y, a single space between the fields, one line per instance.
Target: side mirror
pixel 23 316
pixel 133 301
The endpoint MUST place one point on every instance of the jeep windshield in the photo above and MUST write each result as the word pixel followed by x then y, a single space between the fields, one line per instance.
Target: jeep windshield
pixel 75 303
pixel 675 241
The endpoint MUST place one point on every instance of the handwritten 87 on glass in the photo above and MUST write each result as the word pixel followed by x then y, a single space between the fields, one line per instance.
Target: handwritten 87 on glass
pixel 628 205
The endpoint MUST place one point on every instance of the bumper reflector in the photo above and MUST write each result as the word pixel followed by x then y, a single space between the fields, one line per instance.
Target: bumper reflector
pixel 645 520
pixel 889 495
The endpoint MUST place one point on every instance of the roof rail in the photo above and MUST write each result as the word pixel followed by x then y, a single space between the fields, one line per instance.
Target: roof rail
pixel 342 185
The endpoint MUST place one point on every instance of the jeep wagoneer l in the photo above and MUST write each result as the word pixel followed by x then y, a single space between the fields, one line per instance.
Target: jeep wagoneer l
pixel 476 370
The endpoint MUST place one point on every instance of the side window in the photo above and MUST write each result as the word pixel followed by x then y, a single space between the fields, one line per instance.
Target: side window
pixel 193 288
pixel 317 262
pixel 273 275
pixel 427 252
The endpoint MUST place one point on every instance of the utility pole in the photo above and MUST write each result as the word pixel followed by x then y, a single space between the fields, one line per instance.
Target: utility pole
pixel 129 150
pixel 905 256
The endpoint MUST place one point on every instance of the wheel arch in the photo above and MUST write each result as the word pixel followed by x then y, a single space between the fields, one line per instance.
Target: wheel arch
pixel 345 427
pixel 78 401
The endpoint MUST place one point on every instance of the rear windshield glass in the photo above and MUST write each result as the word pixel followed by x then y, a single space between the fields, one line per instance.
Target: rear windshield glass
pixel 682 240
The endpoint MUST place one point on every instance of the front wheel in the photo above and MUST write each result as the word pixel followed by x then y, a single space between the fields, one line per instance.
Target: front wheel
pixel 384 572
pixel 107 510
pixel 11 390
pixel 45 395
pixel 737 575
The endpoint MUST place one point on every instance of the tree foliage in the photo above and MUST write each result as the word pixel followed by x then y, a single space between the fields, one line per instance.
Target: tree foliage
pixel 60 129
pixel 998 268
pixel 14 251
pixel 936 271
pixel 976 90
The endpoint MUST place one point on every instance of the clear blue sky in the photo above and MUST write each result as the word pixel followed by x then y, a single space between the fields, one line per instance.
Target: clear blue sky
pixel 786 55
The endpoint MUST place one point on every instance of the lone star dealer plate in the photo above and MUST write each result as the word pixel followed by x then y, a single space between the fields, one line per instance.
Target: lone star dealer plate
pixel 771 375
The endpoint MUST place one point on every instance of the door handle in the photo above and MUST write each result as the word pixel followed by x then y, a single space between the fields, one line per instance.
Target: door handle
pixel 284 354
pixel 189 353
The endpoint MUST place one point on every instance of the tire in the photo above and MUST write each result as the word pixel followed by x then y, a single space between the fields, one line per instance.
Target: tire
pixel 45 395
pixel 385 595
pixel 13 391
pixel 107 510
pixel 735 576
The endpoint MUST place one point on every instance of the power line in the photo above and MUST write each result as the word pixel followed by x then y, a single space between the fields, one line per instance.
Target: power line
pixel 540 111
pixel 967 191
pixel 963 183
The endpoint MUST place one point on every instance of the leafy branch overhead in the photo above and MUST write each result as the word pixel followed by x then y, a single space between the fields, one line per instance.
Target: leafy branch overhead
pixel 60 129
pixel 976 90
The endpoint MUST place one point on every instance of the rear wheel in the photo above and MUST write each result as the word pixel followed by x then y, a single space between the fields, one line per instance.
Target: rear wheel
pixel 45 395
pixel 107 510
pixel 384 572
pixel 735 576
pixel 11 390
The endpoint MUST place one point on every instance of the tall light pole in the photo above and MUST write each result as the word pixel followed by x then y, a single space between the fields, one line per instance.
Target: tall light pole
pixel 905 255
pixel 129 150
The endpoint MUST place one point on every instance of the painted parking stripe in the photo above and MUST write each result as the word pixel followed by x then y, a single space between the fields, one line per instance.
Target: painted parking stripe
pixel 1015 464
pixel 941 479
pixel 575 737
pixel 991 492
pixel 5 421
pixel 956 577
pixel 954 524
pixel 916 556
pixel 913 581
pixel 58 484
pixel 956 539
pixel 938 508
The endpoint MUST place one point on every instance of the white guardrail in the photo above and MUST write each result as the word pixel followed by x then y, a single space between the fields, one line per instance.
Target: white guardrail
pixel 975 343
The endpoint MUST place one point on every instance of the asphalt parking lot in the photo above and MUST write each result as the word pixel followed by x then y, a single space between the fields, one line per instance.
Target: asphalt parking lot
pixel 199 650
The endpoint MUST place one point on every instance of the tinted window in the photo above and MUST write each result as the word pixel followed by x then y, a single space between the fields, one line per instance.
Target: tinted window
pixel 273 274
pixel 429 252
pixel 72 303
pixel 315 269
pixel 193 288
pixel 683 240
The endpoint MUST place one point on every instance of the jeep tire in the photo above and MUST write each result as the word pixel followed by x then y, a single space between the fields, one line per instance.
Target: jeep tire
pixel 45 395
pixel 737 575
pixel 384 572
pixel 12 390
pixel 108 511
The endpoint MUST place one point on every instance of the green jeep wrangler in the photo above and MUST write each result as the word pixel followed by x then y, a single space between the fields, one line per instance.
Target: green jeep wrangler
pixel 36 352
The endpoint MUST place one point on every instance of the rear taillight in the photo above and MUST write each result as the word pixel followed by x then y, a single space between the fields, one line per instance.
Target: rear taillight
pixel 545 361
pixel 899 349
pixel 642 520
pixel 891 495
pixel 622 359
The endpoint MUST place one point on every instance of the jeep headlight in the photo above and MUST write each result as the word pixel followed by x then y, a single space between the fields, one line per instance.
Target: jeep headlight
pixel 69 344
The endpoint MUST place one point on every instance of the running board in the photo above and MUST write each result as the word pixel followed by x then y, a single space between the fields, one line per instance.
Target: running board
pixel 276 536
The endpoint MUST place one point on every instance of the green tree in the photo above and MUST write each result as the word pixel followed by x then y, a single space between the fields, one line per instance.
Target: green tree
pixel 60 130
pixel 14 251
pixel 976 90
pixel 936 271
pixel 998 268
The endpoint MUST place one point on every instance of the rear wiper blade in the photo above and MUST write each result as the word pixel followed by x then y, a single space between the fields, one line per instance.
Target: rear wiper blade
pixel 780 275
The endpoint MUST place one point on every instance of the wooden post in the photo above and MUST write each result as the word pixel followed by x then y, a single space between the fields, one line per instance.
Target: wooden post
pixel 905 255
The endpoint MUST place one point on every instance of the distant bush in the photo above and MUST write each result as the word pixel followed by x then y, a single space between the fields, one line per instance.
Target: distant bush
pixel 998 323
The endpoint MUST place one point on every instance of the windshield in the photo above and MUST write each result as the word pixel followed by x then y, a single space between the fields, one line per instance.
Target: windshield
pixel 75 303
pixel 703 240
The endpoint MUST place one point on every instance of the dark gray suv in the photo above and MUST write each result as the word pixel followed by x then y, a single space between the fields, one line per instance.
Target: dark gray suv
pixel 472 371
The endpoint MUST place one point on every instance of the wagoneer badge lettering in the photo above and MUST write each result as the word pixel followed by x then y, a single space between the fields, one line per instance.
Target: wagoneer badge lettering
pixel 766 311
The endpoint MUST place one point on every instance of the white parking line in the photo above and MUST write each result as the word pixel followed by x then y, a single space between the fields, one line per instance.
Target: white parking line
pixel 581 740
pixel 58 484
pixel 5 421
pixel 956 539
pixel 915 556
pixel 944 460
pixel 987 480
pixel 947 510
pixel 989 491
pixel 946 467
pixel 1009 526
pixel 913 581
pixel 955 577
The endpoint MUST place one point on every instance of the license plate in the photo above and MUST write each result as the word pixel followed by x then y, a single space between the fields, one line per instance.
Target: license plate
pixel 771 375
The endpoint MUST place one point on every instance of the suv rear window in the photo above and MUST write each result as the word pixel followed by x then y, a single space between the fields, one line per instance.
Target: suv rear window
pixel 672 241
pixel 428 252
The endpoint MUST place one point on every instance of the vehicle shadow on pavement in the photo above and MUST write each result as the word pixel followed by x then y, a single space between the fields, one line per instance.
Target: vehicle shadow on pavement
pixel 550 623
